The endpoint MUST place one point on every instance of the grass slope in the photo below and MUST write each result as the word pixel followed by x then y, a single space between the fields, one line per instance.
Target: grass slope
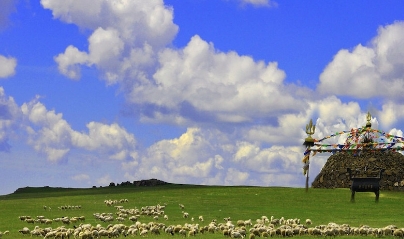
pixel 212 202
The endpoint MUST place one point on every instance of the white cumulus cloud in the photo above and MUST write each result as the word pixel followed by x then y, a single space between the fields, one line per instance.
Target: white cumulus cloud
pixel 200 83
pixel 10 115
pixel 368 71
pixel 7 66
pixel 50 134
pixel 120 29
pixel 196 83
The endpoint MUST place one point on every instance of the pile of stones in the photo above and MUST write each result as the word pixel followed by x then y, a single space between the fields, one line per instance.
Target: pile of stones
pixel 334 173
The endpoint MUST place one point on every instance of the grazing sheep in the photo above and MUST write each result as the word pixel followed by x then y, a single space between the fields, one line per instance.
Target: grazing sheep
pixel 236 234
pixel 94 234
pixel 255 231
pixel 30 220
pixel 289 233
pixel 200 218
pixel 103 232
pixel 212 229
pixel 24 231
pixel 50 234
pixel 183 232
pixel 114 233
pixel 185 214
pixel 302 231
pixel 181 206
pixel 155 230
pixel 264 234
pixel 275 221
pixel 144 232
pixel 272 232
pixel 308 222
pixel 133 218
pixel 132 231
pixel 192 233
pixel 398 233
pixel 240 223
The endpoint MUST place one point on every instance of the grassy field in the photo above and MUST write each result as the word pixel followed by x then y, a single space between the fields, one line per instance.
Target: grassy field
pixel 212 202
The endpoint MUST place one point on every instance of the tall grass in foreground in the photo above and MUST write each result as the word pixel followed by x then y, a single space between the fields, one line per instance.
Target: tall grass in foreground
pixel 212 202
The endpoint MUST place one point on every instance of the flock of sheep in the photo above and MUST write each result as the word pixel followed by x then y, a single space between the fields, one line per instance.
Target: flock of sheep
pixel 152 221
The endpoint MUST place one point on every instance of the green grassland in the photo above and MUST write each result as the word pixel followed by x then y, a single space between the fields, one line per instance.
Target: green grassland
pixel 212 202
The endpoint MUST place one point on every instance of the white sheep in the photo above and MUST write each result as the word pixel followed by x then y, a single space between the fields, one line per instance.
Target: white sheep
pixel 133 218
pixel 103 232
pixel 133 231
pixel 398 233
pixel 24 231
pixel 235 234
pixel 183 232
pixel 144 232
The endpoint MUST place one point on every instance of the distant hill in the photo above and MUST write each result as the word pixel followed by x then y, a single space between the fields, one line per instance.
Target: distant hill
pixel 141 183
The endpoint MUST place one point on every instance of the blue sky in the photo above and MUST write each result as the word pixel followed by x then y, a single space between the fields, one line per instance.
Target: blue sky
pixel 189 91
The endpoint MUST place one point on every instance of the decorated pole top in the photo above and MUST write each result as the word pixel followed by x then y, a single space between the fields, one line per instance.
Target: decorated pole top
pixel 310 130
pixel 368 119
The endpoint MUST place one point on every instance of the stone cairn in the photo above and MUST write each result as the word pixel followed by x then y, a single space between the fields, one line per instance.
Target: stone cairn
pixel 367 164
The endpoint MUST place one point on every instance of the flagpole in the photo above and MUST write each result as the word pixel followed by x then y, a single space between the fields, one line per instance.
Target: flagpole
pixel 307 173
pixel 308 143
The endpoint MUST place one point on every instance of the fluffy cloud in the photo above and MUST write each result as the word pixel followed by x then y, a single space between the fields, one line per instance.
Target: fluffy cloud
pixel 390 114
pixel 121 30
pixel 364 72
pixel 198 83
pixel 110 138
pixel 9 117
pixel 52 135
pixel 7 66
pixel 136 21
pixel 204 156
pixel 179 159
